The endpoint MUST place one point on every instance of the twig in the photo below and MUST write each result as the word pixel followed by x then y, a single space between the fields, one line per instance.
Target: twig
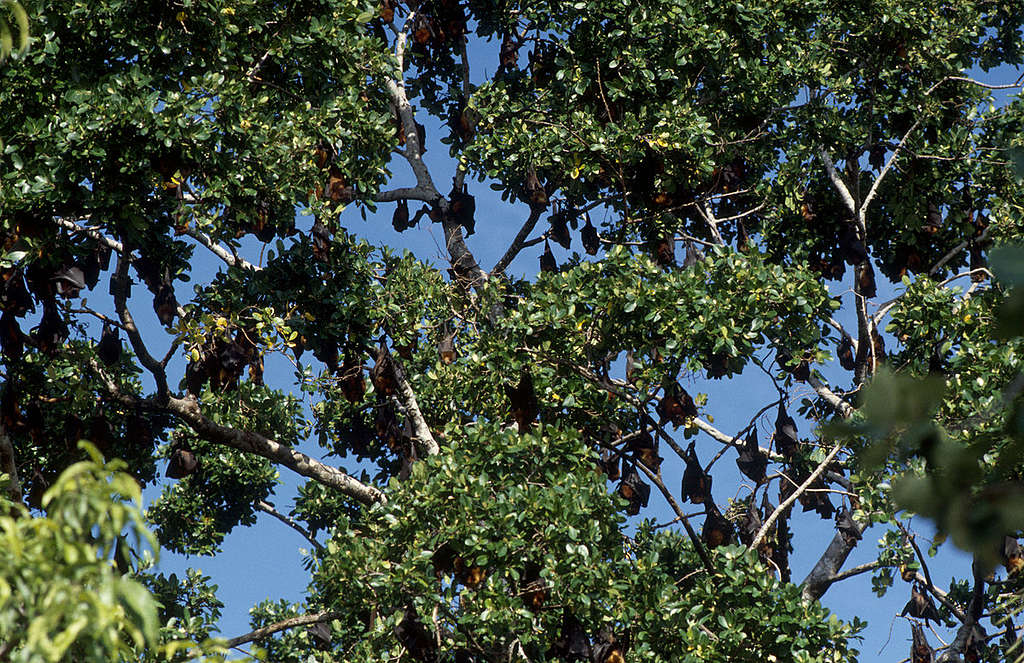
pixel 267 508
pixel 792 498
pixel 518 243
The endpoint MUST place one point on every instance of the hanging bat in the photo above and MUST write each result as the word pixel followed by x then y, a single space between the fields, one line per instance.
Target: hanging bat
pixel 676 405
pixel 400 219
pixel 635 490
pixel 109 347
pixel 921 606
pixel 523 398
pixel 559 228
pixel 573 643
pixel 383 373
pixel 165 304
pixel 183 463
pixel 547 259
pixel 717 531
pixel 462 207
pixel 412 635
pixel 589 237
pixel 446 348
pixel 786 440
pixel 866 280
pixel 751 460
pixel 693 255
pixel 920 650
pixel 696 485
pixel 645 449
pixel 665 252
pixel 321 241
pixel 846 357
pixel 847 526
pixel 1013 556
pixel 69 281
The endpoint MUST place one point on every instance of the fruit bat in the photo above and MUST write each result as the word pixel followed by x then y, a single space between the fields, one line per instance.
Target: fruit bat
pixel 560 228
pixel 665 252
pixel 696 485
pixel 717 531
pixel 847 526
pixel 321 241
pixel 676 405
pixel 572 644
pixel 920 605
pixel 692 257
pixel 851 248
pixel 139 432
pixel 338 190
pixel 443 560
pixel 446 348
pixel 633 488
pixel 11 337
pixel 932 219
pixel 534 590
pixel 470 575
pixel 383 373
pixel 786 440
pixel 462 207
pixel 523 399
pixel 742 238
pixel 353 386
pixel 608 649
pixel 224 365
pixel 52 331
pixel 508 56
pixel 589 237
pixel 846 357
pixel 535 193
pixel 609 464
pixel 645 449
pixel 866 280
pixel 387 428
pixel 751 460
pixel 974 642
pixel 183 463
pixel 164 304
pixel 1013 556
pixel 750 525
pixel 320 633
pixel 920 650
pixel 69 281
pixel 718 365
pixel 109 347
pixel 400 219
pixel 14 296
pixel 977 262
pixel 877 344
pixel 547 259
pixel 415 638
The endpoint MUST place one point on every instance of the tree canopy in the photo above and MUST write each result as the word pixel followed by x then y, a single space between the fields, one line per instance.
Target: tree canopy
pixel 793 203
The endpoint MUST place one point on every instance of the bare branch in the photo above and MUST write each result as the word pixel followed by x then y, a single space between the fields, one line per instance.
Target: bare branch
pixel 838 404
pixel 698 544
pixel 838 183
pixel 90 232
pixel 857 570
pixel 779 510
pixel 230 259
pixel 265 507
pixel 283 625
pixel 873 191
pixel 518 243
pixel 119 289
pixel 424 439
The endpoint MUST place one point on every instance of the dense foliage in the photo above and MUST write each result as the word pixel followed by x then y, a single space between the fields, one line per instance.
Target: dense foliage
pixel 791 197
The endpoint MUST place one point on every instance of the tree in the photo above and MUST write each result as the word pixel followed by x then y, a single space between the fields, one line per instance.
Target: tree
pixel 789 196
